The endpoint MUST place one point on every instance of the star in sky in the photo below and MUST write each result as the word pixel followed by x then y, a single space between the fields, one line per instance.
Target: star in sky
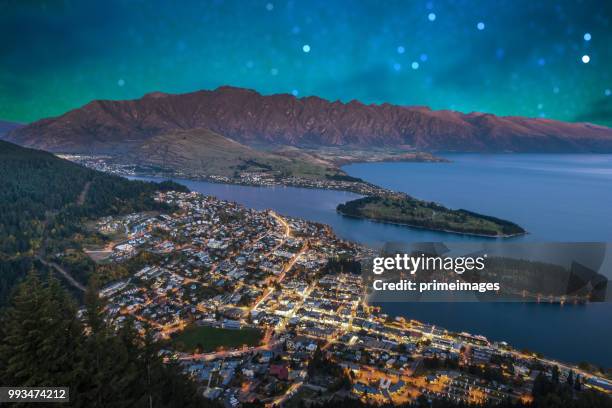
pixel 505 57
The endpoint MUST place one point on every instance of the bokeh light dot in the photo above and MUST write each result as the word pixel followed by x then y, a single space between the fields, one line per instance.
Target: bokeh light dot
pixel 480 26
pixel 306 48
pixel 586 59
pixel 415 65
pixel 431 16
pixel 587 36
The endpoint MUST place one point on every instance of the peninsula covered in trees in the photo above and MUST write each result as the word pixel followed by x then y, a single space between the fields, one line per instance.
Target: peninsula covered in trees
pixel 405 210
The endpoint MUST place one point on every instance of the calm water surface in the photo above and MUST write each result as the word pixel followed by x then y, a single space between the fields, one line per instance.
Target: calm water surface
pixel 554 197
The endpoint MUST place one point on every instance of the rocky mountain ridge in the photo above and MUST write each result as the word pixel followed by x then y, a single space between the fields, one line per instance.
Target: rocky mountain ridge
pixel 250 118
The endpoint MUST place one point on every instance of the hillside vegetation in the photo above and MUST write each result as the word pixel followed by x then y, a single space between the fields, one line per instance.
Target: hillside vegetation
pixel 43 342
pixel 204 153
pixel 44 201
pixel 423 214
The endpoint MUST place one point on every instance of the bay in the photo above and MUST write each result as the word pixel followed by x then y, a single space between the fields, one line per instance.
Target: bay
pixel 554 197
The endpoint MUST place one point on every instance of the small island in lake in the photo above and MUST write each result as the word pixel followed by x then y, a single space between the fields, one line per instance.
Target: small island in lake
pixel 405 210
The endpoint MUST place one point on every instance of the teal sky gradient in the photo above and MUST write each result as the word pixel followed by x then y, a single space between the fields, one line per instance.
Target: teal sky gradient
pixel 524 59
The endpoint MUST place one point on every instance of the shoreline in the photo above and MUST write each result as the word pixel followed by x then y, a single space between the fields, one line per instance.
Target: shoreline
pixel 230 183
pixel 406 225
pixel 547 356
pixel 473 234
pixel 353 185
pixel 513 348
pixel 505 236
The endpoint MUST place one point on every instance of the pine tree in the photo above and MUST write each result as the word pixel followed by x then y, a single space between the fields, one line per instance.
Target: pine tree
pixel 24 331
pixel 59 358
pixel 94 308
pixel 106 359
pixel 43 343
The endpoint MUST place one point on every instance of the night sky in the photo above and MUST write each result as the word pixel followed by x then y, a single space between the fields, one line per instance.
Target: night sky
pixel 516 57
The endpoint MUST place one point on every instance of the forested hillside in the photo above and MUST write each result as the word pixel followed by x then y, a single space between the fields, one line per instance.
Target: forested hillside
pixel 423 214
pixel 44 199
pixel 44 343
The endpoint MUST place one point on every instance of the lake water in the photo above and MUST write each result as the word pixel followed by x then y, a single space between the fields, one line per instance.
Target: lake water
pixel 554 197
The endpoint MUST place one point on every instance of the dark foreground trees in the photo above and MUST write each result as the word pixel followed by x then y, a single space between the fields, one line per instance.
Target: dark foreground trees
pixel 44 343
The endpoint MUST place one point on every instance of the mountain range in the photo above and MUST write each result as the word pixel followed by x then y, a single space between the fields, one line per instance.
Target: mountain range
pixel 250 118
pixel 6 127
